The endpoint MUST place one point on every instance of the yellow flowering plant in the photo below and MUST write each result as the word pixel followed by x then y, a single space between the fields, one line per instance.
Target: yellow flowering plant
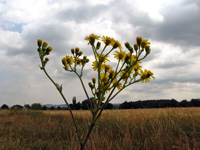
pixel 110 80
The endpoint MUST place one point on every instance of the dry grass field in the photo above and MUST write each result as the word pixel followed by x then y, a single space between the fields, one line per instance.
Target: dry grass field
pixel 140 129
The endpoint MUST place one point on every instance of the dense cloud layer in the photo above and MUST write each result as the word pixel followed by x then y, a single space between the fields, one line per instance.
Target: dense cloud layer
pixel 172 28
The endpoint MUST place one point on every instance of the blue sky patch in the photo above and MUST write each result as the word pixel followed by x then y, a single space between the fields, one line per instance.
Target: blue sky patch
pixel 11 26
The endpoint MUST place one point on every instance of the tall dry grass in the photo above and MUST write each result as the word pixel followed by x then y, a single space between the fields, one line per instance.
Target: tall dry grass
pixel 141 129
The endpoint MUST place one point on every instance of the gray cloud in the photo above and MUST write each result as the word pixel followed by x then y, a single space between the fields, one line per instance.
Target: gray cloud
pixel 80 14
pixel 180 25
pixel 174 58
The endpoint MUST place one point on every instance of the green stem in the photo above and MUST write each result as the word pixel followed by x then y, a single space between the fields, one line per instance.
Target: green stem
pixel 85 90
pixel 122 89
pixel 60 91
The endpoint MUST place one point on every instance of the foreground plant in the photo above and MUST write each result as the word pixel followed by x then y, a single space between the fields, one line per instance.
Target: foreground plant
pixel 110 80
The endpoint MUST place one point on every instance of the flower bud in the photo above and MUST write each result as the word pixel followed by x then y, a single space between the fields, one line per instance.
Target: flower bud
pixel 143 44
pixel 45 44
pixel 46 59
pixel 148 50
pixel 72 51
pixel 139 40
pixel 97 93
pixel 85 57
pixel 128 46
pixel 64 61
pixel 77 50
pixel 80 53
pixel 49 49
pixel 83 61
pixel 135 47
pixel 87 60
pixel 94 80
pixel 98 45
pixel 39 42
pixel 127 58
pixel 91 85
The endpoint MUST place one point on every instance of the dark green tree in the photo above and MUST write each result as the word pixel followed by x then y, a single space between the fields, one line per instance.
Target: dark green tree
pixel 4 106
pixel 52 108
pixel 36 106
pixel 44 107
pixel 85 104
pixel 195 102
pixel 184 103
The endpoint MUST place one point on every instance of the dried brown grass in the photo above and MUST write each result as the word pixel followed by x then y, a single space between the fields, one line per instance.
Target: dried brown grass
pixel 143 129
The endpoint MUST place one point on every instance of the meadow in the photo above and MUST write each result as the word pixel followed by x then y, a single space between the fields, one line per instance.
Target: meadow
pixel 135 129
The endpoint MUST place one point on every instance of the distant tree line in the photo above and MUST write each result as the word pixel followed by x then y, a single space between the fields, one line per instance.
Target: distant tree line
pixel 85 105
pixel 159 104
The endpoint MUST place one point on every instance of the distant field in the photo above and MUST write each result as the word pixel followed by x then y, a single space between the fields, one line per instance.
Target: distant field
pixel 140 129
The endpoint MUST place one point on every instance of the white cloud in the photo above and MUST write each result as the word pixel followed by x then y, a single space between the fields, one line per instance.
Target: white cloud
pixel 64 24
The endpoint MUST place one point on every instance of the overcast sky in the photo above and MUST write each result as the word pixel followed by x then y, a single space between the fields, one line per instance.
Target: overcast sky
pixel 172 27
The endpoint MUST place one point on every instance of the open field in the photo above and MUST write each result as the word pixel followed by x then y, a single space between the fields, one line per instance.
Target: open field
pixel 141 129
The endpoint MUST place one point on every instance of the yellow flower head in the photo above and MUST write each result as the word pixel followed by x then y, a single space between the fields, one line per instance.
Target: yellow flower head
pixel 104 81
pixel 92 38
pixel 125 76
pixel 104 77
pixel 150 74
pixel 112 74
pixel 145 43
pixel 78 61
pixel 133 58
pixel 66 66
pixel 107 68
pixel 146 75
pixel 95 66
pixel 69 60
pixel 108 40
pixel 120 55
pixel 102 57
pixel 117 45
pixel 137 66
pixel 118 85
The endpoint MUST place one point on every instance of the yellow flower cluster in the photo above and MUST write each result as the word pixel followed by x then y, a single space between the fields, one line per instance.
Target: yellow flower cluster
pixel 43 50
pixel 105 39
pixel 110 79
pixel 75 59
pixel 128 68
pixel 42 47
pixel 146 75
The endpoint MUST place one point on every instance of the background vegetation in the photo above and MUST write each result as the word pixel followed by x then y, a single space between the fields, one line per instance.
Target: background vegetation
pixel 163 103
pixel 152 129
